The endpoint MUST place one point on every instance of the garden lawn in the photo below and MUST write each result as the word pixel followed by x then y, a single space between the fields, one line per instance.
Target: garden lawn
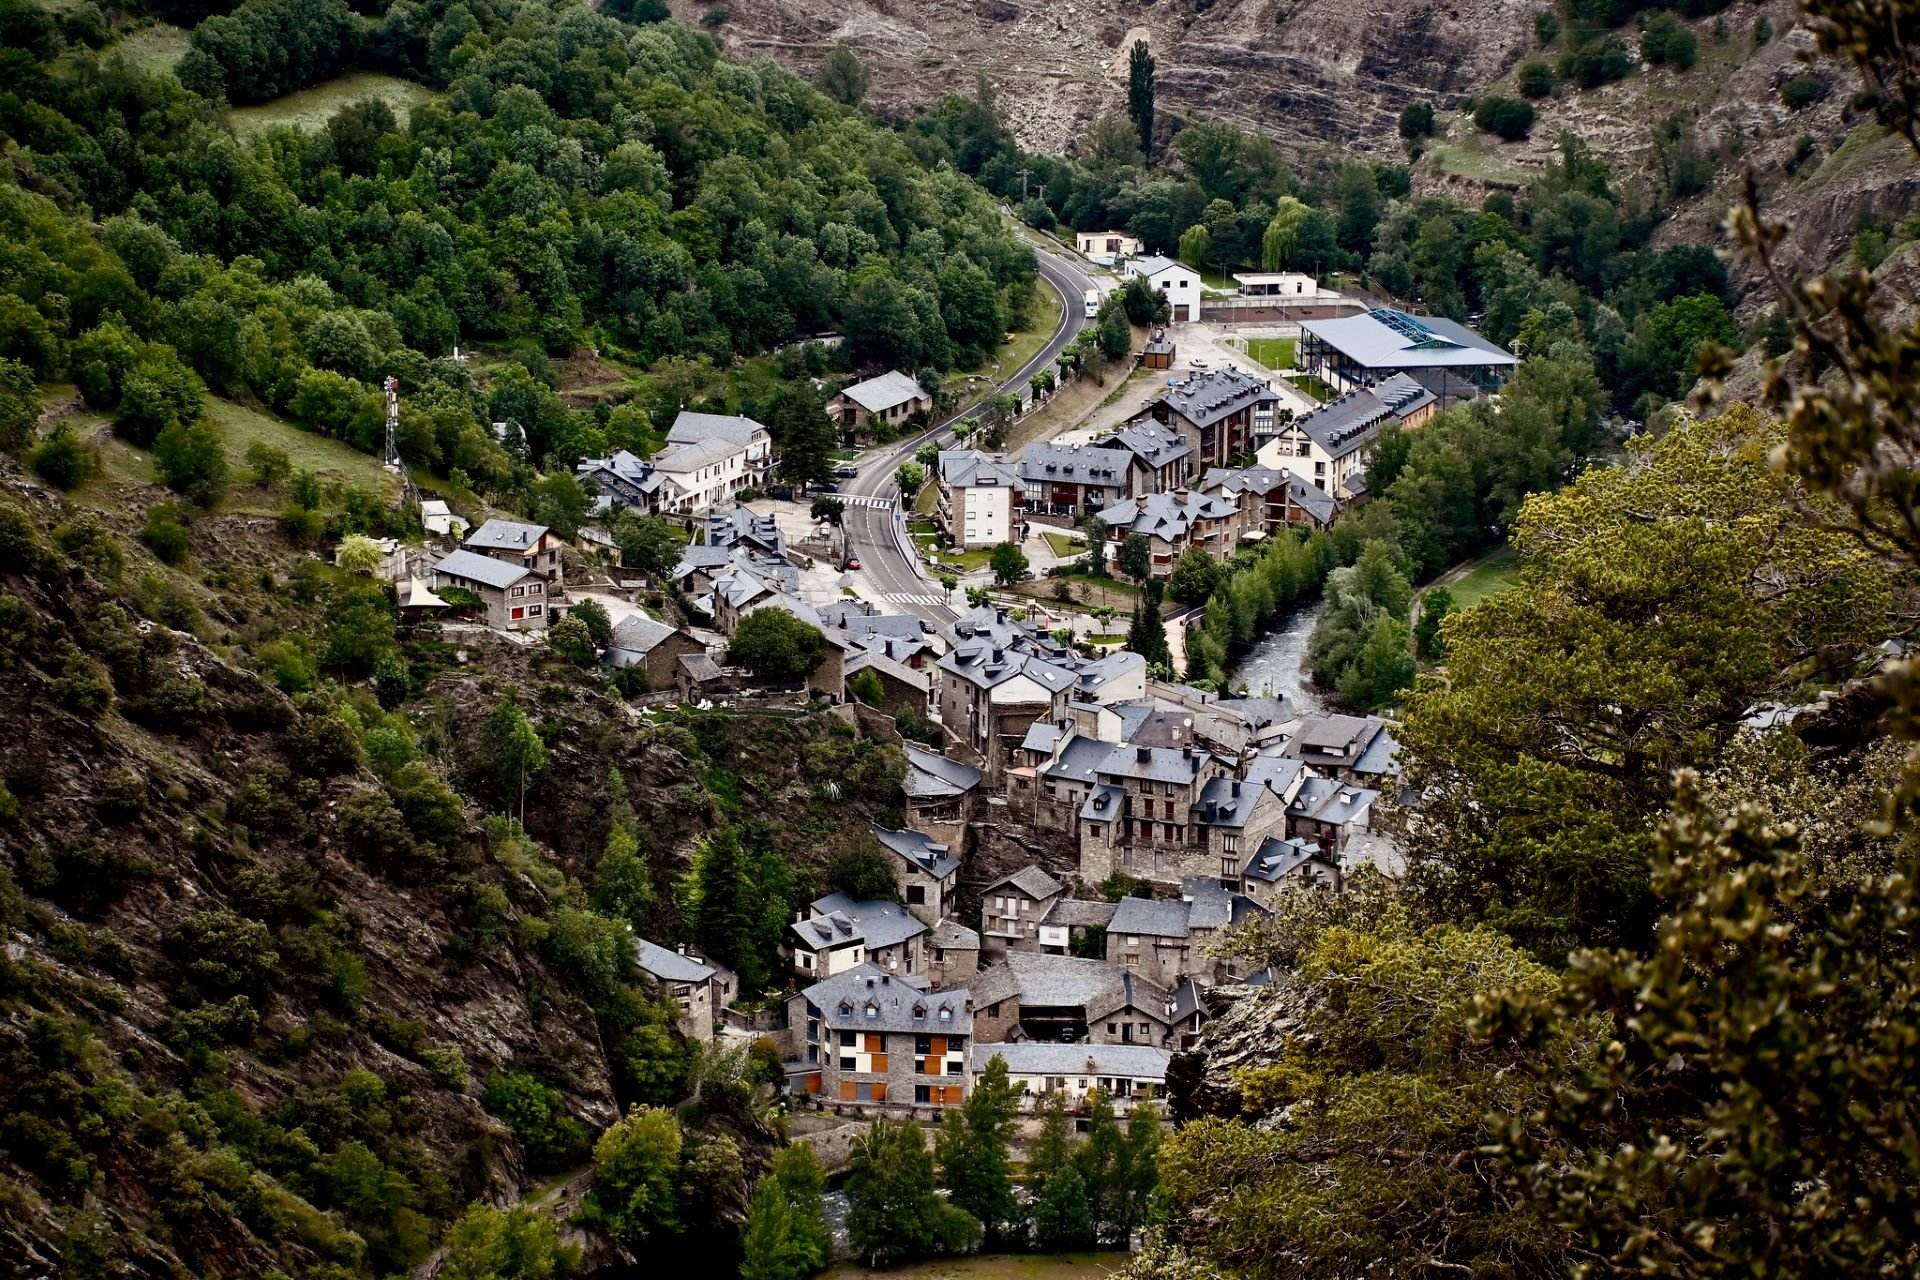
pixel 325 457
pixel 1312 387
pixel 1063 546
pixel 1494 574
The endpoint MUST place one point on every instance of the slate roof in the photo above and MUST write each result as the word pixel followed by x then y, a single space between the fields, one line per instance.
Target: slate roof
pixel 1066 464
pixel 1031 880
pixel 1187 999
pixel 877 395
pixel 740 524
pixel 951 935
pixel 1209 906
pixel 1104 803
pixel 898 1003
pixel 1150 442
pixel 1130 992
pixel 1079 759
pixel 700 667
pixel 1360 743
pixel 1218 393
pixel 930 775
pixel 1166 515
pixel 505 535
pixel 1381 852
pixel 1150 917
pixel 1389 339
pixel 875 922
pixel 732 428
pixel 639 634
pixel 1094 676
pixel 972 469
pixel 1039 1058
pixel 1258 713
pixel 1156 764
pixel 1331 802
pixel 1150 265
pixel 1078 913
pixel 922 851
pixel 1042 981
pixel 669 965
pixel 1041 737
pixel 1228 802
pixel 1260 480
pixel 1276 859
pixel 475 567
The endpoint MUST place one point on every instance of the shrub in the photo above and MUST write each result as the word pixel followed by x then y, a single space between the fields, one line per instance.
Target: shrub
pixel 1509 118
pixel 268 467
pixel 433 812
pixel 166 533
pixel 63 459
pixel 1803 91
pixel 223 952
pixel 570 639
pixel 1666 42
pixel 1536 78
pixel 324 744
pixel 1593 65
pixel 1546 26
pixel 538 1117
pixel 1416 121
pixel 81 687
pixel 373 830
pixel 85 876
pixel 86 541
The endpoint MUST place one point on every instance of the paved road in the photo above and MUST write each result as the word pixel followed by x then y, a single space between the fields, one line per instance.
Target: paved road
pixel 875 529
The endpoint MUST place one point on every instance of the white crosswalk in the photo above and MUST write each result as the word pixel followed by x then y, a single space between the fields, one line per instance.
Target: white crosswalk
pixel 903 597
pixel 882 503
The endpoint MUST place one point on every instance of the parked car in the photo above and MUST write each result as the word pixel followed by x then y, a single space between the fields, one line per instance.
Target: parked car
pixel 846 473
pixel 1198 362
pixel 853 562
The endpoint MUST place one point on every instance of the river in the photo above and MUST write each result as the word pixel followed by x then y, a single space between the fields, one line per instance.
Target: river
pixel 1273 668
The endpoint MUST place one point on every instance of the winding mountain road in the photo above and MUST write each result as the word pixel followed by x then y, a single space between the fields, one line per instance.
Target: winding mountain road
pixel 877 528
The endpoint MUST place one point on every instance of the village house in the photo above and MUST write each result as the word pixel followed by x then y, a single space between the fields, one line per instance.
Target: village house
pixel 925 871
pixel 836 933
pixel 1186 1014
pixel 1012 906
pixel 697 677
pixel 515 597
pixel 1175 281
pixel 739 528
pixel 1442 355
pixel 1160 458
pixel 939 794
pixel 1357 749
pixel 1138 817
pixel 1172 523
pixel 1070 925
pixel 439 519
pixel 1149 936
pixel 532 547
pixel 650 646
pixel 1296 285
pixel 889 399
pixel 1220 413
pixel 1272 500
pixel 901 689
pixel 872 1037
pixel 953 954
pixel 1064 483
pixel 1128 1074
pixel 1281 864
pixel 708 459
pixel 1105 247
pixel 750 443
pixel 980 495
pixel 990 695
pixel 902 637
pixel 1055 777
pixel 1331 447
pixel 1028 995
pixel 1330 813
pixel 698 989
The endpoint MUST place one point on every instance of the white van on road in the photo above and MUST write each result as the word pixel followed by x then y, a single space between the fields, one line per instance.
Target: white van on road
pixel 1091 302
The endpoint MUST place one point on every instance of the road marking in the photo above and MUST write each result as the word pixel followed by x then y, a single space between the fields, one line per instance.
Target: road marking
pixel 903 597
pixel 882 503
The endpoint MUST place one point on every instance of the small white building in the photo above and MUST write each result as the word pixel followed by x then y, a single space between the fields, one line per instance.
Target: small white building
pixel 438 518
pixel 1280 284
pixel 1105 247
pixel 1179 283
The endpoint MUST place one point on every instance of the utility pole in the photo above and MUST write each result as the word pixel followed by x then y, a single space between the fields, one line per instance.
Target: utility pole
pixel 1023 184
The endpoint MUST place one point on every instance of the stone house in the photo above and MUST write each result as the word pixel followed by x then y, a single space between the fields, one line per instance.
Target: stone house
pixel 652 646
pixel 1138 817
pixel 953 954
pixel 532 547
pixel 698 989
pixel 939 793
pixel 867 1036
pixel 1012 907
pixel 1331 445
pixel 1149 936
pixel 515 597
pixel 925 870
pixel 1350 748
pixel 1173 523
pixel 837 934
pixel 1330 813
pixel 1281 864
pixel 1058 999
pixel 889 399
pixel 990 695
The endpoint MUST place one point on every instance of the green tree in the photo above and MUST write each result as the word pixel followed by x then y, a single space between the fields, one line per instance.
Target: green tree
pixel 1195 576
pixel 1062 1217
pixel 777 646
pixel 593 615
pixel 768 1247
pixel 19 404
pixel 515 754
pixel 647 543
pixel 842 78
pixel 63 460
pixel 1196 246
pixel 636 1164
pixel 572 641
pixel 1112 332
pixel 1382 669
pixel 806 436
pixel 1136 557
pixel 159 392
pixel 1009 564
pixel 359 554
pixel 972 1150
pixel 1435 604
pixel 506 1244
pixel 191 461
pixel 1140 95
pixel 1147 634
pixel 359 628
pixel 800 1176
pixel 893 1213
pixel 909 477
pixel 1282 235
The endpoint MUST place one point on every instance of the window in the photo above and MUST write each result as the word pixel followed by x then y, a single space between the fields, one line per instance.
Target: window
pixel 847 1064
pixel 518 614
pixel 916 895
pixel 517 592
pixel 813 1054
pixel 1113 1028
pixel 923 1094
pixel 873 1010
pixel 1231 843
pixel 846 1039
pixel 946 1013
pixel 956 1067
pixel 806 959
pixel 533 611
pixel 1229 870
pixel 923 1045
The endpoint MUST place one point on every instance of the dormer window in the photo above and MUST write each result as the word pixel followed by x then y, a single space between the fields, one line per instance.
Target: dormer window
pixel 873 1010
pixel 919 1011
pixel 846 1007
pixel 946 1013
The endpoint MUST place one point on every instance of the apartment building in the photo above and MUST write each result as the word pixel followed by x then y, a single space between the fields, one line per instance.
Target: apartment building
pixel 871 1037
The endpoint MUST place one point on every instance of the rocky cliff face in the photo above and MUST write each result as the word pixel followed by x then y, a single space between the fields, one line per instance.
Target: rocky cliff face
pixel 1306 71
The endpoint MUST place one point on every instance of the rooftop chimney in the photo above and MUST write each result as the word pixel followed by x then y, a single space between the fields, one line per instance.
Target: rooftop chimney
pixel 1143 754
pixel 1236 786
